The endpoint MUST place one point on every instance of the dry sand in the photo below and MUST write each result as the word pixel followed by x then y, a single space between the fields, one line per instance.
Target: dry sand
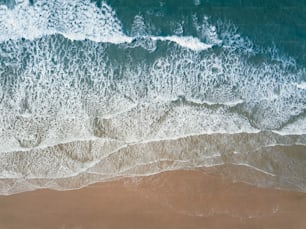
pixel 177 199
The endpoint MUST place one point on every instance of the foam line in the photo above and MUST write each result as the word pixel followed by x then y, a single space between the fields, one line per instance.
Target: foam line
pixel 189 42
pixel 90 22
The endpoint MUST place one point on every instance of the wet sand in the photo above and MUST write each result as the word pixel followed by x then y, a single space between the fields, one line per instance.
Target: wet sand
pixel 177 199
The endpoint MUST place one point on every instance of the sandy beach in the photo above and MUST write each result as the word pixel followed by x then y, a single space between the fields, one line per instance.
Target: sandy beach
pixel 175 199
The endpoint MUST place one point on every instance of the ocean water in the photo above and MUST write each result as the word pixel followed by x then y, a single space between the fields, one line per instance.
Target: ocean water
pixel 95 90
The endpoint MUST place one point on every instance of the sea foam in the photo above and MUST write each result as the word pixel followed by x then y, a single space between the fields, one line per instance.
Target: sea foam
pixel 83 100
pixel 76 20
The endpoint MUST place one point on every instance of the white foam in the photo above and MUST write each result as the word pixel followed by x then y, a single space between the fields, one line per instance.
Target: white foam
pixel 301 85
pixel 255 168
pixel 76 20
pixel 189 42
pixel 63 93
pixel 225 103
pixel 298 127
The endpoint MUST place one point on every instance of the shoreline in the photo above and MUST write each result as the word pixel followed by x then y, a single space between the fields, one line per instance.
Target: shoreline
pixel 174 199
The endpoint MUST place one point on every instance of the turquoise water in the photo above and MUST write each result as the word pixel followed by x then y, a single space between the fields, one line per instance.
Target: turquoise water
pixel 92 90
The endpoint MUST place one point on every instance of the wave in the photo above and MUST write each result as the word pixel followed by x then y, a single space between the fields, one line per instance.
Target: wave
pixel 73 161
pixel 53 89
pixel 76 20
pixel 188 42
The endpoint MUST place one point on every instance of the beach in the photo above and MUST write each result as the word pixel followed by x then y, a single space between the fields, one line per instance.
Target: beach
pixel 146 114
pixel 175 199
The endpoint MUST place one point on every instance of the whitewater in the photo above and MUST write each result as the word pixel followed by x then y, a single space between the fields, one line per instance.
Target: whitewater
pixel 85 98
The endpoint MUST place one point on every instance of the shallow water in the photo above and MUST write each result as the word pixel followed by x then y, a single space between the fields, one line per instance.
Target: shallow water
pixel 91 91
